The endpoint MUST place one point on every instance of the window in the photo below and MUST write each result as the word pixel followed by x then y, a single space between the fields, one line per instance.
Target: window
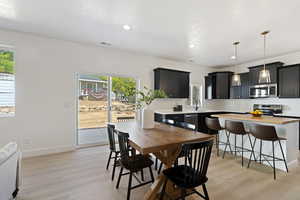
pixel 7 83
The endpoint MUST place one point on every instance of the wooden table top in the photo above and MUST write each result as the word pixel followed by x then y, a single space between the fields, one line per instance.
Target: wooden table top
pixel 262 119
pixel 161 137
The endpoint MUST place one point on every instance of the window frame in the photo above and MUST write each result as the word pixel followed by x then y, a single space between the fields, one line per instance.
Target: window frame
pixel 12 49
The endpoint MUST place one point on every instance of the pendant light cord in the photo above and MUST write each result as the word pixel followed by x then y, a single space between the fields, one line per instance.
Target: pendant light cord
pixel 265 52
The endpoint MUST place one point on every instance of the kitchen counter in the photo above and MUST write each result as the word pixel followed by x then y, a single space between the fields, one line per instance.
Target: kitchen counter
pixel 262 119
pixel 171 112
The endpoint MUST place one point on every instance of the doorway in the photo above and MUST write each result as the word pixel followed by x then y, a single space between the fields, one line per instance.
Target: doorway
pixel 103 99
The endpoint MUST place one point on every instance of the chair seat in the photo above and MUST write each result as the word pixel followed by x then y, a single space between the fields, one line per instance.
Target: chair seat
pixel 136 163
pixel 183 177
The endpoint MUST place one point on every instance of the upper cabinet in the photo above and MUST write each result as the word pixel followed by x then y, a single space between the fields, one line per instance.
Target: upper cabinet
pixel 217 85
pixel 242 91
pixel 272 67
pixel 289 81
pixel 175 83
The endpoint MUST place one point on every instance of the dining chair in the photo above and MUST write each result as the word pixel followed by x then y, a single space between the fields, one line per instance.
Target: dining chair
pixel 132 162
pixel 190 174
pixel 113 149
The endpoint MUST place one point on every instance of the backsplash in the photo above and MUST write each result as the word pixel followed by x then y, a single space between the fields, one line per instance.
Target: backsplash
pixel 290 106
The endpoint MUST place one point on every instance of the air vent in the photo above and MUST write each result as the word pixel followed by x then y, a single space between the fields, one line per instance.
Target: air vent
pixel 105 44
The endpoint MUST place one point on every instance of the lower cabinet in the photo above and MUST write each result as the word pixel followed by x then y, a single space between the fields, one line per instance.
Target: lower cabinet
pixel 192 121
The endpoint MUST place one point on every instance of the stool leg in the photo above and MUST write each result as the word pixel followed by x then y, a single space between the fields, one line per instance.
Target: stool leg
pixel 227 143
pixel 235 145
pixel 242 150
pixel 287 170
pixel 260 151
pixel 274 169
pixel 252 152
pixel 217 144
pixel 252 147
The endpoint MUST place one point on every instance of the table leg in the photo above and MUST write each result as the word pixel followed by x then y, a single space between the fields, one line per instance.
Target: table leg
pixel 168 157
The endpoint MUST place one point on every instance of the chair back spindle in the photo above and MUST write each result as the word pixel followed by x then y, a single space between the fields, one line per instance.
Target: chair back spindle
pixel 123 145
pixel 111 137
pixel 196 169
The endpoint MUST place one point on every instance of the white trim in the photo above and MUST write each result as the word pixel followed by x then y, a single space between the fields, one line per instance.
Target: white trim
pixel 90 80
pixel 47 151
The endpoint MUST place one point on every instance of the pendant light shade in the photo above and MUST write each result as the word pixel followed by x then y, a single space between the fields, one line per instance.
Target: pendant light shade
pixel 264 75
pixel 236 78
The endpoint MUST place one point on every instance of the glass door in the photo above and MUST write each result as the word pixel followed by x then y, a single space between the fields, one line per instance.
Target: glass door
pixel 103 99
pixel 93 109
pixel 123 99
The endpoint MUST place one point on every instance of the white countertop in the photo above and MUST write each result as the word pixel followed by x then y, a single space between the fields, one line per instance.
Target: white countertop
pixel 171 112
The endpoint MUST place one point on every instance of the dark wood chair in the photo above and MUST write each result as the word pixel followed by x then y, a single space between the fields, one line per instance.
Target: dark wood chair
pixel 191 174
pixel 268 134
pixel 132 162
pixel 237 129
pixel 113 149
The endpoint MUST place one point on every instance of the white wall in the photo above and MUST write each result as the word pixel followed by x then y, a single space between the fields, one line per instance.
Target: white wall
pixel 290 106
pixel 45 118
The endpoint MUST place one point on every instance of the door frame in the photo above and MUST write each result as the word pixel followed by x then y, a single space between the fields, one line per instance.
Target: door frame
pixel 109 115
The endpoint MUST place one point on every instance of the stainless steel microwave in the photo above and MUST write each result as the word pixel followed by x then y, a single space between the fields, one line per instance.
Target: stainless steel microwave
pixel 263 91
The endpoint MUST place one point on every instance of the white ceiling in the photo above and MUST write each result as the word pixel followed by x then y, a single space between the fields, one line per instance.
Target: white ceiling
pixel 165 28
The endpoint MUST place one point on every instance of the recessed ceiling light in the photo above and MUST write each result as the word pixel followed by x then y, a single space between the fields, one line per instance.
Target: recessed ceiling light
pixel 126 27
pixel 233 57
pixel 192 46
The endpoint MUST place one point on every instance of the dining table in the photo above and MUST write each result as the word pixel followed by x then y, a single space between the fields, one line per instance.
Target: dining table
pixel 165 142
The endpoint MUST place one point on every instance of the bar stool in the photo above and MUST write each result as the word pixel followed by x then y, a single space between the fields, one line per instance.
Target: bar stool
pixel 214 127
pixel 237 128
pixel 267 133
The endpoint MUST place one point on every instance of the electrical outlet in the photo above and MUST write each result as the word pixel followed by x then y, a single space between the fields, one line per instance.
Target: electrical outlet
pixel 27 142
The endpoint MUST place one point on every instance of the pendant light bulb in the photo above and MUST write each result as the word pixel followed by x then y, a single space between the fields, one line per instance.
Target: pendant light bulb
pixel 264 75
pixel 236 78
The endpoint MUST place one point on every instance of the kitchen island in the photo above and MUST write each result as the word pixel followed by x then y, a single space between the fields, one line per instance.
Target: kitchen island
pixel 285 127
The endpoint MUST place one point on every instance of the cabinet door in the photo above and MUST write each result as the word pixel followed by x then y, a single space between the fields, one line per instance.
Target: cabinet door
pixel 222 85
pixel 208 87
pixel 254 74
pixel 245 85
pixel 174 83
pixel 289 80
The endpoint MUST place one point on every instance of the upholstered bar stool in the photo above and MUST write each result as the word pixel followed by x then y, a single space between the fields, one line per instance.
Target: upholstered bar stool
pixel 237 129
pixel 214 127
pixel 269 134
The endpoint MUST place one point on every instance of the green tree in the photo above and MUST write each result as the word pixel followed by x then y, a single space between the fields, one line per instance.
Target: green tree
pixel 6 62
pixel 122 86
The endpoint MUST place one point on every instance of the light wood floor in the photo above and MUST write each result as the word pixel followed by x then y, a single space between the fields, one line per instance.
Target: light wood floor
pixel 81 175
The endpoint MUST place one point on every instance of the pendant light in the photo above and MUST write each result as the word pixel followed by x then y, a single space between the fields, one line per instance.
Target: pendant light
pixel 236 78
pixel 264 75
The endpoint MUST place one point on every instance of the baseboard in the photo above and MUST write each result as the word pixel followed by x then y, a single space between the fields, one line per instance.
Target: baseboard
pixel 293 164
pixel 47 151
